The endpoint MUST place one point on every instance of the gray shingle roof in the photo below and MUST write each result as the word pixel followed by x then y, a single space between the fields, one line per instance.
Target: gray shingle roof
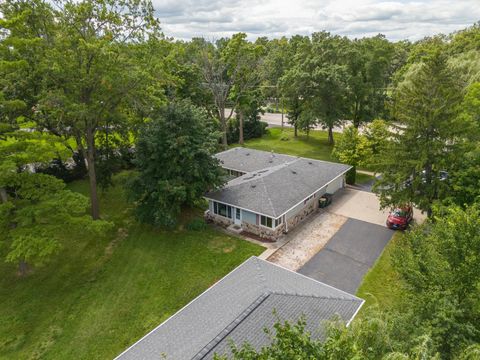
pixel 247 160
pixel 238 307
pixel 278 186
pixel 272 307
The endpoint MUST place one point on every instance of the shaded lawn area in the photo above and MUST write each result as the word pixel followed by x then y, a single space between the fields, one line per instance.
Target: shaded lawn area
pixel 314 146
pixel 382 285
pixel 362 178
pixel 101 295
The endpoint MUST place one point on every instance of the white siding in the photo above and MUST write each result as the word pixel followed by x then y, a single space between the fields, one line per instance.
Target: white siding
pixel 335 185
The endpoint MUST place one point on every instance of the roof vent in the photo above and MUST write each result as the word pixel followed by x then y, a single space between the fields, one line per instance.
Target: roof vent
pixel 254 186
pixel 294 172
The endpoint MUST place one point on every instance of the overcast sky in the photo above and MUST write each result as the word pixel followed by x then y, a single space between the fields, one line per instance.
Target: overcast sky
pixel 400 19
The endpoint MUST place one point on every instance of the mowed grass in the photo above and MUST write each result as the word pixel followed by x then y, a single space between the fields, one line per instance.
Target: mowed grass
pixel 382 286
pixel 314 146
pixel 101 295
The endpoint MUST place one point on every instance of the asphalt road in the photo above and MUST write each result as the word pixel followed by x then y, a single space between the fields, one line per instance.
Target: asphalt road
pixel 348 255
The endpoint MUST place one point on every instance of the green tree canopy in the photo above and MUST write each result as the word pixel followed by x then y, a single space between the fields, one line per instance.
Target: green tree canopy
pixel 352 149
pixel 439 264
pixel 428 138
pixel 174 162
pixel 37 211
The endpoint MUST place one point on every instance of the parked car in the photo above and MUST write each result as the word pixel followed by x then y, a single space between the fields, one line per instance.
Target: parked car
pixel 400 217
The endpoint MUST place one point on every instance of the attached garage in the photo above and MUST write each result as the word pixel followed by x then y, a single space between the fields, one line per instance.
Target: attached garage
pixel 336 184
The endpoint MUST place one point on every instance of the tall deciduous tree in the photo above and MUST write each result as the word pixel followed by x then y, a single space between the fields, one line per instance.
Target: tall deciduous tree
pixel 429 138
pixel 326 76
pixel 26 31
pixel 175 163
pixel 228 68
pixel 92 71
pixel 37 212
pixel 368 62
pixel 293 84
pixel 245 58
pixel 352 149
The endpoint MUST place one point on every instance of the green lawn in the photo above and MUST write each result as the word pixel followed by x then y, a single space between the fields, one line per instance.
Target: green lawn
pixel 382 285
pixel 314 146
pixel 99 296
pixel 362 178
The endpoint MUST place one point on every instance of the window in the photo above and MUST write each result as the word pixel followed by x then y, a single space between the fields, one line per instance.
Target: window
pixel 266 221
pixel 222 210
pixel 278 221
pixel 237 213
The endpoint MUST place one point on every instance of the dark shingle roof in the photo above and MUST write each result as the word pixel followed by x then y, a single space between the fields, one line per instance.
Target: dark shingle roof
pixel 248 160
pixel 236 306
pixel 272 307
pixel 277 187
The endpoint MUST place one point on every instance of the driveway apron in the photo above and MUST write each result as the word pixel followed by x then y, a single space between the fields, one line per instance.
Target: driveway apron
pixel 348 255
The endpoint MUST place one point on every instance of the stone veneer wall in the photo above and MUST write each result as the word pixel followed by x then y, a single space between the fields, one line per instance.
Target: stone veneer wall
pixel 217 219
pixel 310 207
pixel 264 232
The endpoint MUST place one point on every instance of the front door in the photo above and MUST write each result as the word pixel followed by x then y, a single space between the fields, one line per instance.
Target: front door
pixel 238 216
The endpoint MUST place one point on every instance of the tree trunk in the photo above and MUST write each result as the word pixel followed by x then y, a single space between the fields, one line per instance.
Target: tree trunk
pixel 282 114
pixel 223 123
pixel 3 195
pixel 95 208
pixel 240 127
pixel 331 141
pixel 22 268
pixel 295 129
pixel 356 120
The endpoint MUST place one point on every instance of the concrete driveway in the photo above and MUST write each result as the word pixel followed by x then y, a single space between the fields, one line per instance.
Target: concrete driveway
pixel 348 255
pixel 363 205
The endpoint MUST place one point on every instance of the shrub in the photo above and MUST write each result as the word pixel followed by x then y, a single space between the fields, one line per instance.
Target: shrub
pixel 252 128
pixel 284 136
pixel 196 224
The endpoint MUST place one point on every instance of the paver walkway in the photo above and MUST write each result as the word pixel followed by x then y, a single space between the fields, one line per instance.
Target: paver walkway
pixel 348 255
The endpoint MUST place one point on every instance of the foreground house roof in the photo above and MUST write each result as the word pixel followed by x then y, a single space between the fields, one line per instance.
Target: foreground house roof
pixel 273 183
pixel 239 307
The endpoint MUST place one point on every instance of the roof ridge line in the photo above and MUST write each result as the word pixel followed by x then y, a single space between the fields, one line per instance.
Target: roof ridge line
pixel 284 293
pixel 230 327
pixel 269 199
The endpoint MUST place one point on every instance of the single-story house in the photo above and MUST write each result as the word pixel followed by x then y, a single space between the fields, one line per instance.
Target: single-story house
pixel 238 307
pixel 271 193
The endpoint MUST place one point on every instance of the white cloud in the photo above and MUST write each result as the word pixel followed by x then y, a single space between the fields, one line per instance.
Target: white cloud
pixel 401 19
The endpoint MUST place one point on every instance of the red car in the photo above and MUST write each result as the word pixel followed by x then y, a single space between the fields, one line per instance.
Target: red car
pixel 400 217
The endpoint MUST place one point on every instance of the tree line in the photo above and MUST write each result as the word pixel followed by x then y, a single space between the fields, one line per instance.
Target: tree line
pixel 82 83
